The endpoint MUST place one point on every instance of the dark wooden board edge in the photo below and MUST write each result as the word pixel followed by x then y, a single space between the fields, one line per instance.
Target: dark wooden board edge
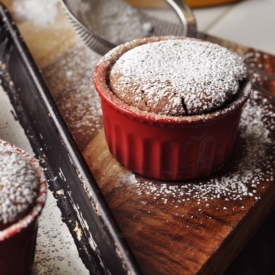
pixel 83 206
pixel 257 257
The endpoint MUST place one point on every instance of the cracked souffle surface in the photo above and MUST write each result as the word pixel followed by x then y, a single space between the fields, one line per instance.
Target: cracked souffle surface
pixel 178 77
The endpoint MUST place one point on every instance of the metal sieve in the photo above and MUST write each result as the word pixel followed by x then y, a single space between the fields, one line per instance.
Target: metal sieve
pixel 163 17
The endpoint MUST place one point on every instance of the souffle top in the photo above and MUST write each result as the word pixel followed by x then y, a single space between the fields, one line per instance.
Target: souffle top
pixel 178 77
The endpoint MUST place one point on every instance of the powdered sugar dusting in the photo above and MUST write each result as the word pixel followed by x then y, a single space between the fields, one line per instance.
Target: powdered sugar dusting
pixel 237 180
pixel 41 13
pixel 194 77
pixel 116 20
pixel 79 102
pixel 19 185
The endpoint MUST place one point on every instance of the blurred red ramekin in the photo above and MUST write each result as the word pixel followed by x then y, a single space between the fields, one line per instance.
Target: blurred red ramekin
pixel 17 242
pixel 166 147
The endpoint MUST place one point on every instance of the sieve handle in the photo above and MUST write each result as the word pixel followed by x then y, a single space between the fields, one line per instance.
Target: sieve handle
pixel 180 7
pixel 185 16
pixel 101 46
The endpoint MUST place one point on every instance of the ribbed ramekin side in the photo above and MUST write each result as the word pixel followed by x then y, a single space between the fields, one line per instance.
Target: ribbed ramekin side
pixel 170 153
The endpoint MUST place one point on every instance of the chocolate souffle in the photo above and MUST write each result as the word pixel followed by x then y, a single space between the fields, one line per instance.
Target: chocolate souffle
pixel 178 77
pixel 171 105
pixel 23 191
pixel 19 186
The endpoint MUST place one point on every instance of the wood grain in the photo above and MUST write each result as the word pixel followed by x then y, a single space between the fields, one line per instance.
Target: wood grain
pixel 177 238
pixel 185 238
pixel 169 233
pixel 48 43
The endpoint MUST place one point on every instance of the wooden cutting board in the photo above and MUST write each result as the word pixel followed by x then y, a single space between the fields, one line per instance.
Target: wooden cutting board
pixel 172 228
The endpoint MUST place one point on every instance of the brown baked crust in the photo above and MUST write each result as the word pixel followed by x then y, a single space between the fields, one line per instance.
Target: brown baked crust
pixel 19 186
pixel 138 98
pixel 177 77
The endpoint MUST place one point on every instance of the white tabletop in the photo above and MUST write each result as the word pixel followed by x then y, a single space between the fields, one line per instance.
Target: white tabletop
pixel 250 23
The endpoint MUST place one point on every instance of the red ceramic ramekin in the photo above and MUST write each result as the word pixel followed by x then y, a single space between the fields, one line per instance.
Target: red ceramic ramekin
pixel 17 242
pixel 165 147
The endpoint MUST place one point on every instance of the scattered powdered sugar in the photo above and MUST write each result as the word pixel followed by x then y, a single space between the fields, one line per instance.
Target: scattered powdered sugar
pixel 116 20
pixel 41 13
pixel 19 185
pixel 79 103
pixel 56 252
pixel 241 176
pixel 194 76
pixel 253 58
pixel 256 61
